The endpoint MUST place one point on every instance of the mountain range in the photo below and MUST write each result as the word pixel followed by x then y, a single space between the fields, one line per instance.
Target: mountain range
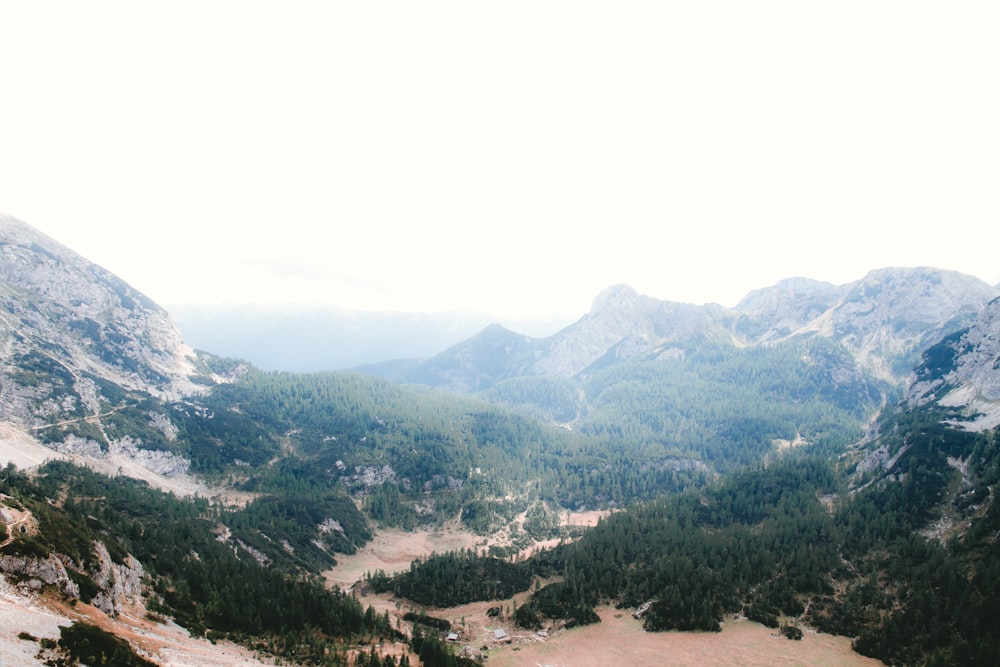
pixel 819 454
pixel 884 320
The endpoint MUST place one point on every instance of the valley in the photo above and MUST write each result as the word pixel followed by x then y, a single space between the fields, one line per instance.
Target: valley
pixel 617 639
pixel 807 478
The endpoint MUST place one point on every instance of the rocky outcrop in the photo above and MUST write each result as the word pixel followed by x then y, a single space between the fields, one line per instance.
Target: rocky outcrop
pixel 963 371
pixel 68 322
pixel 160 462
pixel 628 325
pixel 885 319
pixel 34 573
pixel 120 583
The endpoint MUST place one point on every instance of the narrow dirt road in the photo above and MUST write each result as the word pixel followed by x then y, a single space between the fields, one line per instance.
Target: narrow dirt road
pixel 11 527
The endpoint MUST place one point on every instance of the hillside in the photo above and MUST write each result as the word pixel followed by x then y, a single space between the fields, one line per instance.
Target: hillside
pixel 69 325
pixel 892 542
pixel 961 372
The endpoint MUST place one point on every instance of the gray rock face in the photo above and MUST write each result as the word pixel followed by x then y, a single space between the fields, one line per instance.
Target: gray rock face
pixel 964 371
pixel 884 320
pixel 34 573
pixel 65 322
pixel 120 583
pixel 628 325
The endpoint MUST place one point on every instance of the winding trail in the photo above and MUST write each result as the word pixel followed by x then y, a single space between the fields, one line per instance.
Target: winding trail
pixel 12 526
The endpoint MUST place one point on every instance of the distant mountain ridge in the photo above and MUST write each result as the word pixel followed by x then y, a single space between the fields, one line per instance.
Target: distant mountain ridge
pixel 883 319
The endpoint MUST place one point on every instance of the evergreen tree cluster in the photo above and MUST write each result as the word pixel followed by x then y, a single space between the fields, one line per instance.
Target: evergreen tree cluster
pixel 206 585
pixel 716 403
pixel 454 578
pixel 772 542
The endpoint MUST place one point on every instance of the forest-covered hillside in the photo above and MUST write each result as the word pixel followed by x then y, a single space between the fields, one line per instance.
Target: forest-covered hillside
pixel 805 541
pixel 415 455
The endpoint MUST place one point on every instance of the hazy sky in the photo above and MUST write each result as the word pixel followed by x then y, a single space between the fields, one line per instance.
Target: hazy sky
pixel 511 157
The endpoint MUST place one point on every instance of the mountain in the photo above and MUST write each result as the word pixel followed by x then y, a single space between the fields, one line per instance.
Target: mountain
pixel 963 372
pixel 80 351
pixel 621 325
pixel 884 320
pixel 71 322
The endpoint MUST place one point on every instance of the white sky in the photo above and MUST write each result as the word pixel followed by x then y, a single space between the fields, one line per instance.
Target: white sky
pixel 511 157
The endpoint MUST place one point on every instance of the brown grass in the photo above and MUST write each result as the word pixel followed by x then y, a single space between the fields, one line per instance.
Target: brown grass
pixel 620 640
pixel 617 640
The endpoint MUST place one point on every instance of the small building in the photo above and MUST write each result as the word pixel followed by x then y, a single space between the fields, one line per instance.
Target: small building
pixel 452 637
pixel 500 634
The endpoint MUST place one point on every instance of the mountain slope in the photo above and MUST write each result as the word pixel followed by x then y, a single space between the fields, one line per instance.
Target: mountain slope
pixel 74 324
pixel 621 325
pixel 891 540
pixel 963 371
pixel 883 320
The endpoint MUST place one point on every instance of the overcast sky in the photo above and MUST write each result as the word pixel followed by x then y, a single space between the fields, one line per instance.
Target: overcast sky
pixel 510 157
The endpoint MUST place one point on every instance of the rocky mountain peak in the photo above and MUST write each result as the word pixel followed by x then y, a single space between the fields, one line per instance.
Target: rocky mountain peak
pixel 963 371
pixel 884 319
pixel 783 291
pixel 76 321
pixel 615 297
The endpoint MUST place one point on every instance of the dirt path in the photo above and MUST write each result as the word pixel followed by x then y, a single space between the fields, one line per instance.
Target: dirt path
pixel 21 521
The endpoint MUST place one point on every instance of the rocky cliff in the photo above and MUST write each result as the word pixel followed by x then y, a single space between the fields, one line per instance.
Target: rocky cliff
pixel 625 324
pixel 70 330
pixel 963 371
pixel 885 319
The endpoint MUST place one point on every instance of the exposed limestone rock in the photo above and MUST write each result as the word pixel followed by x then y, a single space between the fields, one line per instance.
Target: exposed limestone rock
pixel 120 583
pixel 34 573
pixel 885 319
pixel 369 476
pixel 330 525
pixel 964 372
pixel 167 464
pixel 74 444
pixel 257 554
pixel 163 463
pixel 69 317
